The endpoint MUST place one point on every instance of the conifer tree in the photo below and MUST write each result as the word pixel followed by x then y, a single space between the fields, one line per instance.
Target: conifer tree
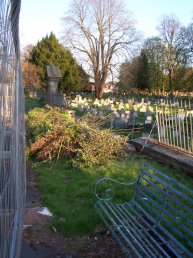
pixel 50 51
pixel 143 71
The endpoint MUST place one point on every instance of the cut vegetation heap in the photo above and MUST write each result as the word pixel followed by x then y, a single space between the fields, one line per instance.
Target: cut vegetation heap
pixel 54 134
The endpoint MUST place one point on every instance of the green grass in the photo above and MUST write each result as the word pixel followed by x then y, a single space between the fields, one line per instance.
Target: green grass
pixel 69 192
pixel 31 103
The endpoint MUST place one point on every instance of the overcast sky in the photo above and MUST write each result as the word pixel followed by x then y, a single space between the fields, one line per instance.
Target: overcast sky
pixel 40 17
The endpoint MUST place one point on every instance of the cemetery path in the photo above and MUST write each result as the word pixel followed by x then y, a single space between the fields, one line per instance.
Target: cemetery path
pixel 40 241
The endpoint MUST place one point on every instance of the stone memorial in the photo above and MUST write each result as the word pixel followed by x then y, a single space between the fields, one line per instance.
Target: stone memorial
pixel 106 107
pixel 101 114
pixel 148 120
pixel 135 114
pixel 80 107
pixel 53 76
pixel 115 114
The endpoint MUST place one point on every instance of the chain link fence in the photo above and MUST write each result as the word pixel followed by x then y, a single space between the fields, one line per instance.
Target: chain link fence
pixel 12 133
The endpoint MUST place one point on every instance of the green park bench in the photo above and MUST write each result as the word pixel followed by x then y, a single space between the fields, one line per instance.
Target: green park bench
pixel 158 219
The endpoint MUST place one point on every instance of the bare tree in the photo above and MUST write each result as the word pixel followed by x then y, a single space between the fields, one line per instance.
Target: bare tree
pixel 27 51
pixel 102 32
pixel 31 79
pixel 170 33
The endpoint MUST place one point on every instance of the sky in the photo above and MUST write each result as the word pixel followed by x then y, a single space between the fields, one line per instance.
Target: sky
pixel 39 17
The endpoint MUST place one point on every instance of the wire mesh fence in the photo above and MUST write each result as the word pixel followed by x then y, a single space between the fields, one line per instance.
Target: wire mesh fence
pixel 12 135
pixel 175 127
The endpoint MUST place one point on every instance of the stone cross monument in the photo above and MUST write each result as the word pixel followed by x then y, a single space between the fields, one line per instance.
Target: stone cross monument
pixel 53 77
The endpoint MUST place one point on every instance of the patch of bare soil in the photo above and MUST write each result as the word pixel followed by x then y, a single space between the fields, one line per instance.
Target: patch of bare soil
pixel 42 242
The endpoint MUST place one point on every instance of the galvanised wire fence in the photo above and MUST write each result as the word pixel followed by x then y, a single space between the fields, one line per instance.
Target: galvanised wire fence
pixel 175 127
pixel 12 134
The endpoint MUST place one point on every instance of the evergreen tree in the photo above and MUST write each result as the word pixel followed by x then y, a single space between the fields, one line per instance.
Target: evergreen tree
pixel 84 79
pixel 50 51
pixel 143 72
pixel 153 48
pixel 127 76
pixel 70 74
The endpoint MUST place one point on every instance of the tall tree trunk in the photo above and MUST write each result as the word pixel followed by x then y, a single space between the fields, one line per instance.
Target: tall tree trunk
pixel 170 79
pixel 99 91
pixel 99 85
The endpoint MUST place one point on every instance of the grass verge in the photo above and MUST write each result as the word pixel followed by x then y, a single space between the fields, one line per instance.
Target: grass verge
pixel 31 103
pixel 69 192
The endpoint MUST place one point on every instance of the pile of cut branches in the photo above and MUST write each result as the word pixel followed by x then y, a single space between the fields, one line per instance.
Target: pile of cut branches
pixel 82 141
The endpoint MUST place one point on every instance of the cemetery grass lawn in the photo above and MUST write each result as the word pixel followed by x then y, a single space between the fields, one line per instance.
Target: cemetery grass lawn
pixel 69 192
pixel 31 103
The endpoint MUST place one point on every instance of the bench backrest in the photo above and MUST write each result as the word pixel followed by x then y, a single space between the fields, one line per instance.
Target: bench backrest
pixel 167 206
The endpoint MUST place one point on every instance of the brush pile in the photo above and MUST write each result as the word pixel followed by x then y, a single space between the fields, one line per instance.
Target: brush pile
pixel 53 134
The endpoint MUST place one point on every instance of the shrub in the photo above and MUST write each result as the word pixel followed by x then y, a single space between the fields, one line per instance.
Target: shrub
pixel 40 120
pixel 95 145
pixel 57 136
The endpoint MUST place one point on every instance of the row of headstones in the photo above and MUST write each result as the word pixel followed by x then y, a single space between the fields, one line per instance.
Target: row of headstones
pixel 83 104
pixel 123 120
pixel 178 102
pixel 80 100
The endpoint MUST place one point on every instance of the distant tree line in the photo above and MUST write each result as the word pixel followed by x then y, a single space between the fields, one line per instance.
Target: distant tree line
pixel 164 63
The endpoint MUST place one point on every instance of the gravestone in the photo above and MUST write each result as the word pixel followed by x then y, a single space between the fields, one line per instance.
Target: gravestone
pixel 115 114
pixel 106 107
pixel 100 113
pixel 128 114
pixel 80 107
pixel 53 76
pixel 148 113
pixel 86 108
pixel 78 98
pixel 74 104
pixel 94 110
pixel 119 123
pixel 135 114
pixel 150 108
pixel 143 109
pixel 148 120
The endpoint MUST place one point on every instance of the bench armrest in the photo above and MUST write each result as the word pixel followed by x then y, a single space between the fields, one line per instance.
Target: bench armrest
pixel 109 192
